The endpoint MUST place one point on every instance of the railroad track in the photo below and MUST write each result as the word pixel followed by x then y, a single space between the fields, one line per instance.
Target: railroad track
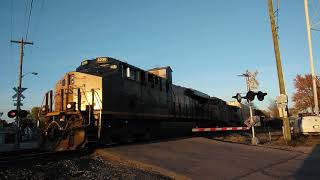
pixel 21 157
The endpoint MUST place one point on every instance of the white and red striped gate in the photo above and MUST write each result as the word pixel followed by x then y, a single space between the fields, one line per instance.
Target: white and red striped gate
pixel 221 129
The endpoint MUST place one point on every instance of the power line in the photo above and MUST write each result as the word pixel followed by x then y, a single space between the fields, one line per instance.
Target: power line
pixel 314 7
pixel 37 21
pixel 11 19
pixel 25 16
pixel 29 20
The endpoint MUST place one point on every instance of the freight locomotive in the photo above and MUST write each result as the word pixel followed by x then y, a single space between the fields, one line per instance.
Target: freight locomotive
pixel 106 100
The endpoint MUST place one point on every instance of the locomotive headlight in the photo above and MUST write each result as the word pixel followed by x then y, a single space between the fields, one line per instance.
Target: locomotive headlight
pixel 72 80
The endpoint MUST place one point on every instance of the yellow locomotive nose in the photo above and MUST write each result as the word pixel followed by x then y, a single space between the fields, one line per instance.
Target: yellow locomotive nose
pixel 74 108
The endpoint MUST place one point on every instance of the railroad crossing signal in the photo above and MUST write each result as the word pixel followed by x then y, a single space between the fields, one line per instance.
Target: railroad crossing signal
pixel 16 95
pixel 14 113
pixel 16 104
pixel 250 96
pixel 238 97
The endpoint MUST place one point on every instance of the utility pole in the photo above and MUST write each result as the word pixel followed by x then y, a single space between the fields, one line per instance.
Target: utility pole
pixel 314 85
pixel 19 93
pixel 287 133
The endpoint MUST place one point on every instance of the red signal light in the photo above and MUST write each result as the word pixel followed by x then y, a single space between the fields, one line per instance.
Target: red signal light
pixel 12 113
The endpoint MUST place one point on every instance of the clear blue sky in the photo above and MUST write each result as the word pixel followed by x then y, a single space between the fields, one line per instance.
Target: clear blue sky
pixel 207 43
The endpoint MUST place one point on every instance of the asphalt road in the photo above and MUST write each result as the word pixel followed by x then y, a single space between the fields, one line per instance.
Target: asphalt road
pixel 201 158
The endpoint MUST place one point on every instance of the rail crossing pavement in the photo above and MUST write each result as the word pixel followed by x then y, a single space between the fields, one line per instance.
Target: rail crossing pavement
pixel 202 158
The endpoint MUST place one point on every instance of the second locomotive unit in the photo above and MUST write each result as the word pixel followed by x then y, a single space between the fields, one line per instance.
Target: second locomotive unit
pixel 109 100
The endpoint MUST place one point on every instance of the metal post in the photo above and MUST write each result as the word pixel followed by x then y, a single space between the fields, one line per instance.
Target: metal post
pixel 251 118
pixel 314 85
pixel 19 93
pixel 286 124
pixel 51 101
pixel 254 140
pixel 250 107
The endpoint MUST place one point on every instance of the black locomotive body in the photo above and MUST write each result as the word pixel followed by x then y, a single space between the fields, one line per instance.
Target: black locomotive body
pixel 106 99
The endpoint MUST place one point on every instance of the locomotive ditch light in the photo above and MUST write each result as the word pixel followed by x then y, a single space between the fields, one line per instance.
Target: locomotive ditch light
pixel 71 106
pixel 238 97
pixel 44 110
pixel 260 95
pixel 12 113
pixel 250 95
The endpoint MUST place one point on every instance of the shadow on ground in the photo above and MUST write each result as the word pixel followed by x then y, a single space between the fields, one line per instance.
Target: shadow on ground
pixel 310 168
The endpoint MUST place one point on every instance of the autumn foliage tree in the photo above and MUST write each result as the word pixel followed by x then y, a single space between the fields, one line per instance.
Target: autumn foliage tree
pixel 303 97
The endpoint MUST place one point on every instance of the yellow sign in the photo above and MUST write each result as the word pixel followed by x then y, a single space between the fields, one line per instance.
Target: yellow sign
pixel 102 60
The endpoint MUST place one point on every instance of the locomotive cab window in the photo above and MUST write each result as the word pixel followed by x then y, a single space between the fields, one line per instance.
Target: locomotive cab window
pixel 131 73
pixel 128 72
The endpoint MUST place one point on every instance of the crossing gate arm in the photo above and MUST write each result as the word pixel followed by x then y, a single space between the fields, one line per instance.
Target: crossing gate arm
pixel 220 129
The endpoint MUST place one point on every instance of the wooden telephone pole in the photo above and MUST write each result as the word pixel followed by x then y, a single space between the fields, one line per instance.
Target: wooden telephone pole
pixel 19 92
pixel 286 125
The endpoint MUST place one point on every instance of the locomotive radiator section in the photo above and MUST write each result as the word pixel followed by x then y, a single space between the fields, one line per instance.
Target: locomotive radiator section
pixel 75 119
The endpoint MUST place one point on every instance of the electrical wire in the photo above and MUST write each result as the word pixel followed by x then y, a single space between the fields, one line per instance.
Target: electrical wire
pixel 11 30
pixel 25 15
pixel 316 18
pixel 314 9
pixel 30 11
pixel 38 20
pixel 11 19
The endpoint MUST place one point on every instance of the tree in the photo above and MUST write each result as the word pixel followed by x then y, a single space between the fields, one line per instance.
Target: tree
pixel 37 116
pixel 273 109
pixel 293 112
pixel 303 97
pixel 35 113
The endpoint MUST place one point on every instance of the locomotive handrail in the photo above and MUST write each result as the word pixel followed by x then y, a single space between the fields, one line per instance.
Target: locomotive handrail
pixel 38 124
pixel 60 128
pixel 100 113
pixel 84 92
pixel 91 108
pixel 100 100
